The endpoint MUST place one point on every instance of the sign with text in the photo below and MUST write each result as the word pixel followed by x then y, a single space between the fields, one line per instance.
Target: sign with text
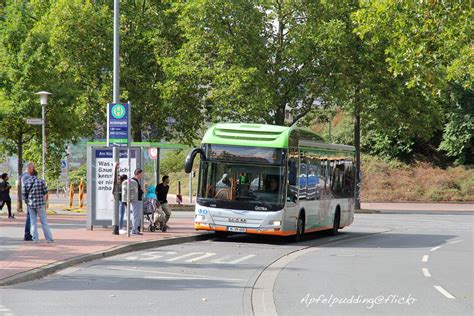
pixel 118 124
pixel 104 165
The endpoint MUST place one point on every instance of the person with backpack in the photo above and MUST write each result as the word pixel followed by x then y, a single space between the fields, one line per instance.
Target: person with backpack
pixel 5 195
pixel 136 196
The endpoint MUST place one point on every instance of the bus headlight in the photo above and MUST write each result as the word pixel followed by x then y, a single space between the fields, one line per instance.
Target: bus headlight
pixel 276 223
pixel 199 218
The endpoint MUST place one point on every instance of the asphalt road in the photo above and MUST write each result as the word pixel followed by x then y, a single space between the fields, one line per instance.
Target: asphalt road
pixel 382 264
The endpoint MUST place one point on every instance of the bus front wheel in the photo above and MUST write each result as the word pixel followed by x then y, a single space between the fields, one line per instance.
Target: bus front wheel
pixel 299 229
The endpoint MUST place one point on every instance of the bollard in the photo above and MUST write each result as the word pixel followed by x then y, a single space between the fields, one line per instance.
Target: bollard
pixel 71 195
pixel 81 194
pixel 179 198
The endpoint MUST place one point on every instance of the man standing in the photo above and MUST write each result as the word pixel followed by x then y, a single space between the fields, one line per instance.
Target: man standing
pixel 135 195
pixel 138 204
pixel 5 195
pixel 162 195
pixel 34 196
pixel 30 168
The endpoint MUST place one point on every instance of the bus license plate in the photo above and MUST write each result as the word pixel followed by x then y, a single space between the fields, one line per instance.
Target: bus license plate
pixel 237 229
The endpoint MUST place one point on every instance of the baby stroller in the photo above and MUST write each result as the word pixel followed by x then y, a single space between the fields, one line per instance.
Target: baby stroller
pixel 154 214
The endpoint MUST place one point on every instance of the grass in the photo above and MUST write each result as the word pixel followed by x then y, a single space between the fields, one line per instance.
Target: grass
pixel 390 181
pixel 393 181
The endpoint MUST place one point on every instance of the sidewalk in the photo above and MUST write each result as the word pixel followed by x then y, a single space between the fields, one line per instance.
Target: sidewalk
pixel 22 260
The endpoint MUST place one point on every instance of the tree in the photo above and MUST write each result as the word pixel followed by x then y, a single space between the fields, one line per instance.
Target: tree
pixel 428 46
pixel 26 66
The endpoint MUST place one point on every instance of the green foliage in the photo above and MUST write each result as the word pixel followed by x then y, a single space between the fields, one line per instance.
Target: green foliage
pixel 78 174
pixel 406 67
pixel 173 161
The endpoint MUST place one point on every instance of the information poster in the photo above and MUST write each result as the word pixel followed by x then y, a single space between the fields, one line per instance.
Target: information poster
pixel 104 165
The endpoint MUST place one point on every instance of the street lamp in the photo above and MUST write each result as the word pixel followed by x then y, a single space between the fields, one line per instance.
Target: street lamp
pixel 44 101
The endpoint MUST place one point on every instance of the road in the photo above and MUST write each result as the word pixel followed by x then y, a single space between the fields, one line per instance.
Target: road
pixel 383 264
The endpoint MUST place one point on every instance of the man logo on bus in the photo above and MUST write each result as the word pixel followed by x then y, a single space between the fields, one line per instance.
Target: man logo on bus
pixel 118 111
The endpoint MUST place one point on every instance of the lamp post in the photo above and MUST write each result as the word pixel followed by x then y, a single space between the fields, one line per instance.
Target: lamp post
pixel 44 101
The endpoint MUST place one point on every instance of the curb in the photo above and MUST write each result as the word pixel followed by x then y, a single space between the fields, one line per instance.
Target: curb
pixel 362 211
pixel 54 267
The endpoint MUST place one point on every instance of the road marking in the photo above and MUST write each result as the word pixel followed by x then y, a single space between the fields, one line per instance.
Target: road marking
pixel 443 291
pixel 242 259
pixel 223 260
pixel 147 256
pixel 425 258
pixel 206 255
pixel 172 274
pixel 455 242
pixel 436 248
pixel 187 255
pixel 426 273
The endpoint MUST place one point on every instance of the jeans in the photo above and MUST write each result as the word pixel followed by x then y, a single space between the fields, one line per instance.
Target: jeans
pixel 122 209
pixel 136 215
pixel 167 211
pixel 27 224
pixel 34 212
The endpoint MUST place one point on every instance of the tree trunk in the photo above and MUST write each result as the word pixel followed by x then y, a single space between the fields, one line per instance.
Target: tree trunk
pixel 19 204
pixel 280 115
pixel 357 148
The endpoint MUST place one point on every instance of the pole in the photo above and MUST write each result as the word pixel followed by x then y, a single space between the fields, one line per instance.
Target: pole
pixel 116 51
pixel 68 152
pixel 128 191
pixel 43 132
pixel 191 187
pixel 116 99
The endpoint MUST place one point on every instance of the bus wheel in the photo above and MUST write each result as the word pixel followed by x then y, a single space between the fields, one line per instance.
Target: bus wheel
pixel 299 229
pixel 337 222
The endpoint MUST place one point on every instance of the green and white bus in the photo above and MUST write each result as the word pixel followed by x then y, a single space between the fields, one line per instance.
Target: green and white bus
pixel 273 180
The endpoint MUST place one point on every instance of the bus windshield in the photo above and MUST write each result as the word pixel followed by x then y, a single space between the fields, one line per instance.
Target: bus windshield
pixel 242 186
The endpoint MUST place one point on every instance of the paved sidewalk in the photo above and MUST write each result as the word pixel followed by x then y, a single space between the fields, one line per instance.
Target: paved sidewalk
pixel 73 241
pixel 21 261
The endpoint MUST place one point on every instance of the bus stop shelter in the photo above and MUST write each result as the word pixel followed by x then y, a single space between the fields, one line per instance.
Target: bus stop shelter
pixel 100 174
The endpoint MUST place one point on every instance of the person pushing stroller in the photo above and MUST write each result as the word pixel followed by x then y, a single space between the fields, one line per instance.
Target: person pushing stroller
pixel 152 207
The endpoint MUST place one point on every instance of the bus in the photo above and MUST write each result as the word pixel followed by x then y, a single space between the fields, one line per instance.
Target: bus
pixel 272 180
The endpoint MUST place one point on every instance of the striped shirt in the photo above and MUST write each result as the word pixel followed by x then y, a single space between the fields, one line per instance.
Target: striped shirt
pixel 34 190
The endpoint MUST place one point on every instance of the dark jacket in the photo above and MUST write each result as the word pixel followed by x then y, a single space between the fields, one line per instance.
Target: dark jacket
pixel 5 191
pixel 162 193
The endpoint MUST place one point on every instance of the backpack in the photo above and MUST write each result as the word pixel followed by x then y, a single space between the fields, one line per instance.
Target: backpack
pixel 133 190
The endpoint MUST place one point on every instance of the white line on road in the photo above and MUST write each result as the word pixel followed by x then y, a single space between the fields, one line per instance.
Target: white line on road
pixel 436 248
pixel 206 255
pixel 443 291
pixel 425 258
pixel 184 256
pixel 241 259
pixel 455 242
pixel 426 273
pixel 172 274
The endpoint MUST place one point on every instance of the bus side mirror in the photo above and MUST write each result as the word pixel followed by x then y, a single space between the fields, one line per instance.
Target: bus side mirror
pixel 292 172
pixel 188 163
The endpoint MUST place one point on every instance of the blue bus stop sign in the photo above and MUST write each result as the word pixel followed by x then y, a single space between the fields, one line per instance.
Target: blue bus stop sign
pixel 118 124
